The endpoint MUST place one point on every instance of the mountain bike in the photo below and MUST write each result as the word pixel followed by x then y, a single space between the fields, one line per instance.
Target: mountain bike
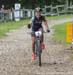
pixel 38 49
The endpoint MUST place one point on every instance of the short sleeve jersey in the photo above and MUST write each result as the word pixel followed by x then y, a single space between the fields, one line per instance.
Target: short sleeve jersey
pixel 37 23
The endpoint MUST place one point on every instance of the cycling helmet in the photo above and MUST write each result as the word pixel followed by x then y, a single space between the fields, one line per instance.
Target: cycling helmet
pixel 38 9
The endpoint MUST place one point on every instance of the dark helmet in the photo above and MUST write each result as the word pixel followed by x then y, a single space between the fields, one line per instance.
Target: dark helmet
pixel 38 9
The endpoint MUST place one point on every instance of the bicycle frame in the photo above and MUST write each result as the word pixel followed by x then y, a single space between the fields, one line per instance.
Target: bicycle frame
pixel 38 49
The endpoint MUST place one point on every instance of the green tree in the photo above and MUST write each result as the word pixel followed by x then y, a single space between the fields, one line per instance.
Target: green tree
pixel 34 3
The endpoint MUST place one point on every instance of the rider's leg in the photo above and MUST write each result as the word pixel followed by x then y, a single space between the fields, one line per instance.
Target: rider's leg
pixel 33 44
pixel 42 45
pixel 33 48
pixel 42 39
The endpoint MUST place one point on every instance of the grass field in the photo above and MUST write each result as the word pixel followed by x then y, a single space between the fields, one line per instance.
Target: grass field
pixel 60 33
pixel 6 26
pixel 59 17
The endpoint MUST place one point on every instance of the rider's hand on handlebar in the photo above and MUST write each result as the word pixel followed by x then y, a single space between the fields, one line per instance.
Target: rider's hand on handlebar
pixel 48 30
pixel 29 26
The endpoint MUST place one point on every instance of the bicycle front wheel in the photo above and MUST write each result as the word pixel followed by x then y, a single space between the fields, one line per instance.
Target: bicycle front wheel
pixel 39 51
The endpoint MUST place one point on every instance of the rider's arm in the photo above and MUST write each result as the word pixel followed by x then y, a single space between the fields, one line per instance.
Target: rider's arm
pixel 46 24
pixel 30 23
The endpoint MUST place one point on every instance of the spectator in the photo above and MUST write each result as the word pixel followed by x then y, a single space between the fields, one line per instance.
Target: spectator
pixel 2 8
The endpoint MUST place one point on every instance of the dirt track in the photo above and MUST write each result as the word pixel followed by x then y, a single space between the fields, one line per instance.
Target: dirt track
pixel 15 55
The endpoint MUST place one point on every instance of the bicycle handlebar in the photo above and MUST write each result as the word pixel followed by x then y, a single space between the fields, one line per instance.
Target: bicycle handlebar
pixel 43 32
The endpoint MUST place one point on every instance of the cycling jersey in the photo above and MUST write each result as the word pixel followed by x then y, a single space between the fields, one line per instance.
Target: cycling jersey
pixel 37 23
